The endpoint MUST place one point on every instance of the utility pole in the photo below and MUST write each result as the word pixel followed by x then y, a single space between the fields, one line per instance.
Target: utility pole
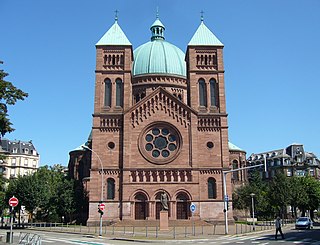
pixel 225 195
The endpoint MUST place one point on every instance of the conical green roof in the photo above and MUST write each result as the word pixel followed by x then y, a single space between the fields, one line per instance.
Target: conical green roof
pixel 204 37
pixel 114 36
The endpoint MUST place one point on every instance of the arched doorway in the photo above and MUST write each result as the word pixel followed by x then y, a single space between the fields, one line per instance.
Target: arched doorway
pixel 159 205
pixel 182 206
pixel 140 207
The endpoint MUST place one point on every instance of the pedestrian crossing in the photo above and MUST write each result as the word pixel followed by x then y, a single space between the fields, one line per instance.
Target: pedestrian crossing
pixel 252 239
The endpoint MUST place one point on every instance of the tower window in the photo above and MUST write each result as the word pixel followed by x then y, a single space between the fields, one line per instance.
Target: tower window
pixel 110 189
pixel 214 92
pixel 107 92
pixel 212 188
pixel 119 92
pixel 202 93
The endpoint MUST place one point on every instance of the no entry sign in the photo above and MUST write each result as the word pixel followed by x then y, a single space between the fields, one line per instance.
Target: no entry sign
pixel 13 201
pixel 102 206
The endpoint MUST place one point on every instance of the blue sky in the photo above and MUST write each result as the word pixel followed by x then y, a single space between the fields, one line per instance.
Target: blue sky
pixel 271 55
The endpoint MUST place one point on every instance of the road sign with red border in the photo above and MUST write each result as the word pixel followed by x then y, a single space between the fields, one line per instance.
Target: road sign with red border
pixel 102 206
pixel 13 201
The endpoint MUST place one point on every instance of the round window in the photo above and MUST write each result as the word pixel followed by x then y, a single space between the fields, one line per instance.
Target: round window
pixel 111 145
pixel 160 143
pixel 210 145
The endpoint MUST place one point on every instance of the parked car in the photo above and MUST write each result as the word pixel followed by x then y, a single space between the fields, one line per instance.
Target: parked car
pixel 304 223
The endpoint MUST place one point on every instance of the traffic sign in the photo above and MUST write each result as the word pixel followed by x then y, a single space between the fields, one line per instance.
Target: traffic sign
pixel 192 207
pixel 102 206
pixel 226 198
pixel 13 201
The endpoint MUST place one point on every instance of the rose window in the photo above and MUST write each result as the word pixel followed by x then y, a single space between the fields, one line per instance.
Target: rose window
pixel 160 144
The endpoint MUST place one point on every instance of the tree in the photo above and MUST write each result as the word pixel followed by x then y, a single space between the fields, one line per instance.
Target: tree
pixel 9 95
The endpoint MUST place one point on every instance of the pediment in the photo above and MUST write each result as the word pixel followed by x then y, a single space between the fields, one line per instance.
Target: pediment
pixel 160 100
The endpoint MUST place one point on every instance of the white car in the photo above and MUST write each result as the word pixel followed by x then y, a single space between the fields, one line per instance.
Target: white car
pixel 304 223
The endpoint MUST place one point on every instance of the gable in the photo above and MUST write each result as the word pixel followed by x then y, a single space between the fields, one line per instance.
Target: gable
pixel 160 100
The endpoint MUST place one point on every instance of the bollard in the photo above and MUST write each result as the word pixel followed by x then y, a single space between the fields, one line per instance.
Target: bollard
pixel 156 231
pixel 185 231
pixel 113 230
pixel 146 231
pixel 174 232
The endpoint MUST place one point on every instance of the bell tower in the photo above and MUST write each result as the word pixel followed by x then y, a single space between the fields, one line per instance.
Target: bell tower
pixel 206 89
pixel 113 95
pixel 205 72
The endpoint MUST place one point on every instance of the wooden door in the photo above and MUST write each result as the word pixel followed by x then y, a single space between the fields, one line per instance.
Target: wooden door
pixel 182 210
pixel 140 210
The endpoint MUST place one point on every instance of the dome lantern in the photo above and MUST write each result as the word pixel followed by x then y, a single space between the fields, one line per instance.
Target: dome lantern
pixel 157 30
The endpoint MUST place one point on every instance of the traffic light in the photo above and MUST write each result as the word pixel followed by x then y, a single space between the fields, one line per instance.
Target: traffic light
pixel 228 205
pixel 100 211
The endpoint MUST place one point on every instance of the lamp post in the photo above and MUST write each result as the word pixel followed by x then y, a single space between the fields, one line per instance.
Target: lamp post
pixel 252 203
pixel 101 197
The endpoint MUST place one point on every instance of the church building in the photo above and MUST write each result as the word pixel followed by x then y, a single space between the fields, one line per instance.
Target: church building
pixel 159 126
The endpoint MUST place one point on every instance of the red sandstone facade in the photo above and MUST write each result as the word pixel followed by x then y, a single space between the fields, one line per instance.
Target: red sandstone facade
pixel 192 140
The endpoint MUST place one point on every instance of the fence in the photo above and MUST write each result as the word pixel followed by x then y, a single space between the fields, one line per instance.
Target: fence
pixel 174 232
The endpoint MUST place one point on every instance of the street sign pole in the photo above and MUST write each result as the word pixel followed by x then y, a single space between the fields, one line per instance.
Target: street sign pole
pixel 193 209
pixel 11 224
pixel 13 202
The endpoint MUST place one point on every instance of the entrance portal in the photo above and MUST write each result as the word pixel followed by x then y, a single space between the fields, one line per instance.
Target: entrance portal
pixel 182 206
pixel 141 209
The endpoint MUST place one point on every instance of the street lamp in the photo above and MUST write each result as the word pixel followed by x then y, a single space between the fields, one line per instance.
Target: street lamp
pixel 252 203
pixel 101 197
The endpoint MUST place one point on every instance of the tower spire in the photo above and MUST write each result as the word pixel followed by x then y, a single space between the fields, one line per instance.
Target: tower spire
pixel 201 15
pixel 116 15
pixel 157 13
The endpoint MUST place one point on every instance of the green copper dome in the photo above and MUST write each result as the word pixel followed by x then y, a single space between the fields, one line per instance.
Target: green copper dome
pixel 158 56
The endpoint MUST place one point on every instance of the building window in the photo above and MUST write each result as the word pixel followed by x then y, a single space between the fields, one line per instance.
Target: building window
pixel 214 92
pixel 289 172
pixel 13 162
pixel 212 188
pixel 160 143
pixel 235 175
pixel 26 151
pixel 25 162
pixel 110 189
pixel 202 93
pixel 107 92
pixel 14 150
pixel 119 92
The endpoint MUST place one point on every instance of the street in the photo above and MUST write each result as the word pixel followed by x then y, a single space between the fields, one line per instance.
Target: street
pixel 292 236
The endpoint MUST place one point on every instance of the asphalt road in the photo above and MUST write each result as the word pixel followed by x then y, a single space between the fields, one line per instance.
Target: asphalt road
pixel 292 236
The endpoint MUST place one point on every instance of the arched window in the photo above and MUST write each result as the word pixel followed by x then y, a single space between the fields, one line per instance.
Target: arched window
pixel 214 92
pixel 202 93
pixel 235 175
pixel 110 189
pixel 212 188
pixel 119 92
pixel 107 92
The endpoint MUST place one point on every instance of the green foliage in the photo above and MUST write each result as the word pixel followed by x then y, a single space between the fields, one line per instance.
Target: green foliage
pixel 9 95
pixel 273 196
pixel 48 194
